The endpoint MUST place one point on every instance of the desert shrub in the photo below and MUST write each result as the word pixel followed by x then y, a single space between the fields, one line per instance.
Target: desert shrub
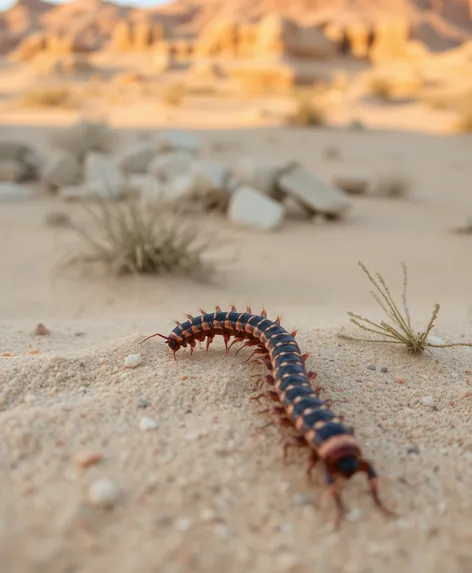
pixel 308 113
pixel 174 94
pixel 48 97
pixel 381 88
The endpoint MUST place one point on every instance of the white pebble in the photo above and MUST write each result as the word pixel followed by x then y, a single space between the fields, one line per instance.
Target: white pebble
pixel 147 424
pixel 354 514
pixel 435 340
pixel 183 524
pixel 133 360
pixel 103 492
pixel 428 401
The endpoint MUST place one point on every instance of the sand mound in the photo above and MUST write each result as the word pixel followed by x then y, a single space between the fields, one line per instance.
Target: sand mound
pixel 203 490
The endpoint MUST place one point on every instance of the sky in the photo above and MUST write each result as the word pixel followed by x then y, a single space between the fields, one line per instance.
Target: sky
pixel 4 4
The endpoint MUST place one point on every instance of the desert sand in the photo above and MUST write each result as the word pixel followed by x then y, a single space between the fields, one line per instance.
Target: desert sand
pixel 194 485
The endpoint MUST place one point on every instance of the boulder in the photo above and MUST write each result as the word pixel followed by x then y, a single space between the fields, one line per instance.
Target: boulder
pixel 251 208
pixel 175 140
pixel 170 165
pixel 315 195
pixel 10 191
pixel 262 175
pixel 353 182
pixel 62 168
pixel 136 158
pixel 18 162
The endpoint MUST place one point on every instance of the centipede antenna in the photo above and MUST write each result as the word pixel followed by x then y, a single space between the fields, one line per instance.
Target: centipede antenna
pixel 166 338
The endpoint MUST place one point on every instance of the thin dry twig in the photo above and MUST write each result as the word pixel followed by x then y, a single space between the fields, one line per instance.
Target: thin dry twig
pixel 400 332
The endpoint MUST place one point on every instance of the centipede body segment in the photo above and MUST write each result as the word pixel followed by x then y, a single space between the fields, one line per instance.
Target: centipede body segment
pixel 298 405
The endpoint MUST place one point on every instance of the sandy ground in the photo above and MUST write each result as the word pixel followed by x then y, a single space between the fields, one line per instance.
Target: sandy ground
pixel 204 491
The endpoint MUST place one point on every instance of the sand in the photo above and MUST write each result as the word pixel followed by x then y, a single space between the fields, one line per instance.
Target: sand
pixel 205 490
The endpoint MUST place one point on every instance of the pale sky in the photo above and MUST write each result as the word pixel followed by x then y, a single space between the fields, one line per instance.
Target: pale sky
pixel 4 4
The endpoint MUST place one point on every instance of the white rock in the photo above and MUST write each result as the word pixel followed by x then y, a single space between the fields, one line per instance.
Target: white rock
pixel 103 492
pixel 15 192
pixel 209 176
pixel 313 193
pixel 261 175
pixel 179 188
pixel 183 524
pixel 174 140
pixel 250 207
pixel 136 158
pixel 435 340
pixel 99 167
pixel 61 169
pixel 170 165
pixel 428 401
pixel 133 360
pixel 146 185
pixel 147 424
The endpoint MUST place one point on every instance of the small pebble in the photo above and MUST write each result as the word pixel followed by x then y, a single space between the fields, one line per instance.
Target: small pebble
pixel 384 370
pixel 372 367
pixel 207 514
pixel 103 493
pixel 428 401
pixel 435 340
pixel 147 424
pixel 133 360
pixel 86 458
pixel 143 403
pixel 354 514
pixel 41 330
pixel 183 524
pixel 301 499
pixel 33 351
pixel 413 449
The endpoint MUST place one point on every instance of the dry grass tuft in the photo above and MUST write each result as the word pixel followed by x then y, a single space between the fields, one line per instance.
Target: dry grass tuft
pixel 174 94
pixel 49 97
pixel 132 237
pixel 308 114
pixel 381 88
pixel 400 331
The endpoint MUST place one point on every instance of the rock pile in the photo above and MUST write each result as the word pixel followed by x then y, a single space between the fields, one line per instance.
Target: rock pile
pixel 168 167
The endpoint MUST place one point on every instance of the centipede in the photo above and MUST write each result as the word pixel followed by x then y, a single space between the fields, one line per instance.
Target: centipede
pixel 297 403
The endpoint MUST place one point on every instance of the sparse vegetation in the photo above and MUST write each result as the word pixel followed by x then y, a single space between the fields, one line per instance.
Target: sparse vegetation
pixel 394 186
pixel 57 219
pixel 400 331
pixel 49 97
pixel 136 238
pixel 381 88
pixel 308 114
pixel 174 94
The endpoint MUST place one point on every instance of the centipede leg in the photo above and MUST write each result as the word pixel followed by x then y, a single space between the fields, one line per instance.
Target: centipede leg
pixel 334 491
pixel 293 442
pixel 374 487
pixel 270 395
pixel 261 379
pixel 311 464
pixel 256 351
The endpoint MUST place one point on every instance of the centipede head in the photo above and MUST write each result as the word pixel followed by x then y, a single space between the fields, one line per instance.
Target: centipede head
pixel 171 342
pixel 342 456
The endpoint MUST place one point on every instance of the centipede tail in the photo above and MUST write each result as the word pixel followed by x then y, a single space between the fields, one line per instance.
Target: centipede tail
pixel 295 402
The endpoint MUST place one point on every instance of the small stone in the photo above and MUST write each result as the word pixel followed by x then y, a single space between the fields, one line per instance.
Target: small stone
pixel 14 191
pixel 171 165
pixel 251 208
pixel 136 158
pixel 133 360
pixel 428 401
pixel 208 514
pixel 86 458
pixel 183 524
pixel 174 140
pixel 147 424
pixel 413 449
pixel 354 514
pixel 435 340
pixel 372 367
pixel 301 499
pixel 103 493
pixel 41 330
pixel 61 169
pixel 353 183
pixel 384 370
pixel 143 403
